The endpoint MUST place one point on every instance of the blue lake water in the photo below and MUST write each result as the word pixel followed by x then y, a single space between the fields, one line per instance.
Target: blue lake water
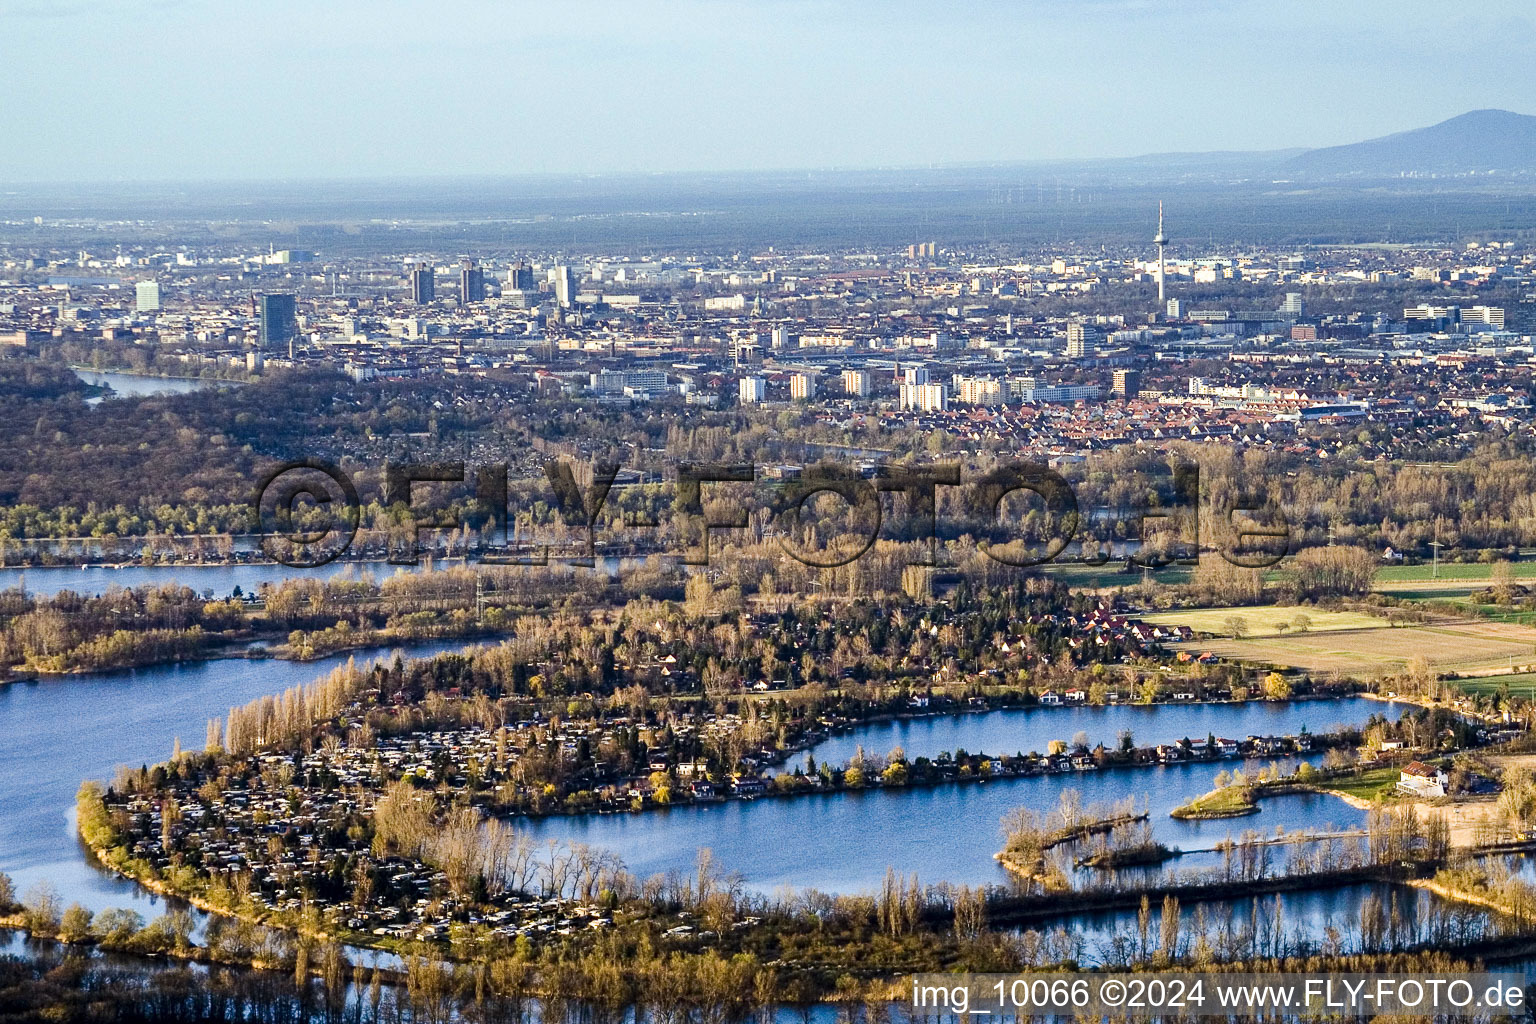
pixel 58 732
pixel 136 385
pixel 1278 924
pixel 844 842
pixel 219 580
pixel 1031 730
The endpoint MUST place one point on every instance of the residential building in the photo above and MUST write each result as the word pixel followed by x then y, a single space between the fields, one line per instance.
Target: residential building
pixel 146 296
pixel 924 397
pixel 978 390
pixel 1082 341
pixel 1126 383
pixel 858 383
pixel 1421 779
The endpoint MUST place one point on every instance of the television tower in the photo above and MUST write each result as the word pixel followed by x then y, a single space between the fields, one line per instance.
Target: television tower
pixel 1160 240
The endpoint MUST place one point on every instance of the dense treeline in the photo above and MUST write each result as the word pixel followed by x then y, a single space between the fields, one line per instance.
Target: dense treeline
pixel 122 627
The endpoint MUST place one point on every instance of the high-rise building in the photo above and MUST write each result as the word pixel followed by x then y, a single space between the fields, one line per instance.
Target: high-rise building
pixel 520 276
pixel 924 397
pixel 916 375
pixel 422 280
pixel 471 282
pixel 146 296
pixel 1126 383
pixel 1082 341
pixel 802 386
pixel 565 287
pixel 978 390
pixel 751 390
pixel 1176 309
pixel 782 339
pixel 858 383
pixel 279 320
pixel 1292 306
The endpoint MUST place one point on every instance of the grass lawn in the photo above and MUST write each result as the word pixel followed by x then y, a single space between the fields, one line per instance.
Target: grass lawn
pixel 1368 785
pixel 1227 802
pixel 1263 620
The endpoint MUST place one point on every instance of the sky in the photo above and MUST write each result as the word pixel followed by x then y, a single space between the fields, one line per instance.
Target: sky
pixel 124 90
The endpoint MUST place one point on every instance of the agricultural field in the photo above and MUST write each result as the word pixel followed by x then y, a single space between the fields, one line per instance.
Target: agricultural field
pixel 1262 620
pixel 1430 590
pixel 1457 592
pixel 1449 647
pixel 1469 572
pixel 1521 684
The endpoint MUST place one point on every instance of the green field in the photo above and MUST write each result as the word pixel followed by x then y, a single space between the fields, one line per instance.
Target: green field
pixel 1263 620
pixel 1471 571
pixel 1456 592
pixel 1521 684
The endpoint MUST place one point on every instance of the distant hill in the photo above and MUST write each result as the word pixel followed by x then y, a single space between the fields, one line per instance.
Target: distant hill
pixel 1481 140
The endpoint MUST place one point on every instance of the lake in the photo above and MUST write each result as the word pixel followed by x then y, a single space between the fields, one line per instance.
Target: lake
pixel 221 580
pixel 1031 730
pixel 843 842
pixel 136 385
pixel 58 732
pixel 1280 924
pixel 61 731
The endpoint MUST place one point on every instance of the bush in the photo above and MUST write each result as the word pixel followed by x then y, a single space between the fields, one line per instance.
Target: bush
pixel 75 926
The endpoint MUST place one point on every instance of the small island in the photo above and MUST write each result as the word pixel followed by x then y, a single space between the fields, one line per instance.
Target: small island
pixel 1222 802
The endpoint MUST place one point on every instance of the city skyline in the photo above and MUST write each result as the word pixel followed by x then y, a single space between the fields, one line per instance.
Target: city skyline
pixel 381 91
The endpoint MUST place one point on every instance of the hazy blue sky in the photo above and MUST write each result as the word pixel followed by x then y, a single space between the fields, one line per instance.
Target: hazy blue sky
pixel 125 89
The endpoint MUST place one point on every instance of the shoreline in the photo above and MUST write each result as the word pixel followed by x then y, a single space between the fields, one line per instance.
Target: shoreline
pixel 238 652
